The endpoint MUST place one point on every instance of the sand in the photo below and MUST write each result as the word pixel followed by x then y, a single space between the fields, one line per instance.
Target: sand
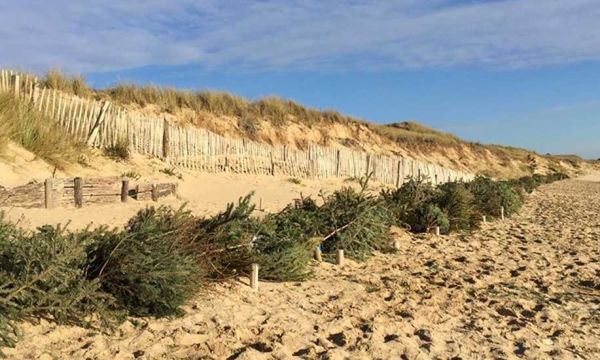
pixel 527 287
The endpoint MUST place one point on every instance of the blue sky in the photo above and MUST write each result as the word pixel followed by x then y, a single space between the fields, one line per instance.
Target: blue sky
pixel 515 72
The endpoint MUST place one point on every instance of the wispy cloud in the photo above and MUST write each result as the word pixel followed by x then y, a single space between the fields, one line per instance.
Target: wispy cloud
pixel 86 35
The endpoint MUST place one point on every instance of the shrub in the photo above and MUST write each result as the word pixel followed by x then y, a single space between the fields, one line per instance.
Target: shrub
pixel 458 203
pixel 148 267
pixel 491 195
pixel 426 217
pixel 42 275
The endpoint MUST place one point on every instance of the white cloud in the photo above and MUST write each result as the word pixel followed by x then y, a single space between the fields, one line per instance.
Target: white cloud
pixel 86 35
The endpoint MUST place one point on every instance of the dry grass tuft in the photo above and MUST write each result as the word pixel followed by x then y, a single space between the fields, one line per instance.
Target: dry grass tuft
pixel 70 84
pixel 414 133
pixel 35 132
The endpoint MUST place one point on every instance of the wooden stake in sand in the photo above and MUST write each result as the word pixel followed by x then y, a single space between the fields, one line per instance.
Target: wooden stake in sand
pixel 340 257
pixel 502 212
pixel 78 194
pixel 154 192
pixel 484 219
pixel 254 277
pixel 318 255
pixel 124 190
pixel 48 194
pixel 437 231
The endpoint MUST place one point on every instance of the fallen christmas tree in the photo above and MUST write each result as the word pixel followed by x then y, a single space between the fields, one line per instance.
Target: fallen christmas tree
pixel 163 257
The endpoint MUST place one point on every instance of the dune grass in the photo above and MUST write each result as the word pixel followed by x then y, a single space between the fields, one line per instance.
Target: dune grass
pixel 35 132
pixel 277 111
pixel 412 132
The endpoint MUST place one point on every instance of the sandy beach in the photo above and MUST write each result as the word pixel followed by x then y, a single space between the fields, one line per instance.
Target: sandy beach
pixel 527 287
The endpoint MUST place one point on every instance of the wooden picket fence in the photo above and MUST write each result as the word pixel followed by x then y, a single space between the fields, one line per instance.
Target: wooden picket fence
pixel 102 124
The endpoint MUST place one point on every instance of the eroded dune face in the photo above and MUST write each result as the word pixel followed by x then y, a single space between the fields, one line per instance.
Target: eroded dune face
pixel 525 287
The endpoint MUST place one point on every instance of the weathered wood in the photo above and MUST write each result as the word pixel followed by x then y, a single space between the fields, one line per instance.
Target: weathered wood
pixel 340 257
pixel 17 81
pixel 124 190
pixel 437 231
pixel 78 194
pixel 502 212
pixel 48 201
pixel 254 277
pixel 96 128
pixel 318 255
pixel 154 192
pixel 166 142
pixel 337 163
pixel 484 219
pixel 398 170
pixel 272 164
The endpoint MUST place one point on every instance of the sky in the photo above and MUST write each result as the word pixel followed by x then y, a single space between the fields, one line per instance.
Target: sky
pixel 515 72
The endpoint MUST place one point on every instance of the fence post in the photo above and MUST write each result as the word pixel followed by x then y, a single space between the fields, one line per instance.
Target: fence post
pixel 437 231
pixel 340 257
pixel 166 141
pixel 368 164
pixel 17 84
pixel 318 255
pixel 78 193
pixel 154 192
pixel 48 204
pixel 398 174
pixel 35 94
pixel 124 190
pixel 502 212
pixel 254 277
pixel 337 163
pixel 272 164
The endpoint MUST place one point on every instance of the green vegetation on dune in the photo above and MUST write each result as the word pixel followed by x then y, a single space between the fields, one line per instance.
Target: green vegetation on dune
pixel 274 110
pixel 412 132
pixel 34 131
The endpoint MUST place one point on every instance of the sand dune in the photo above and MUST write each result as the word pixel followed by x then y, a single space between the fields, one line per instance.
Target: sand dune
pixel 528 287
